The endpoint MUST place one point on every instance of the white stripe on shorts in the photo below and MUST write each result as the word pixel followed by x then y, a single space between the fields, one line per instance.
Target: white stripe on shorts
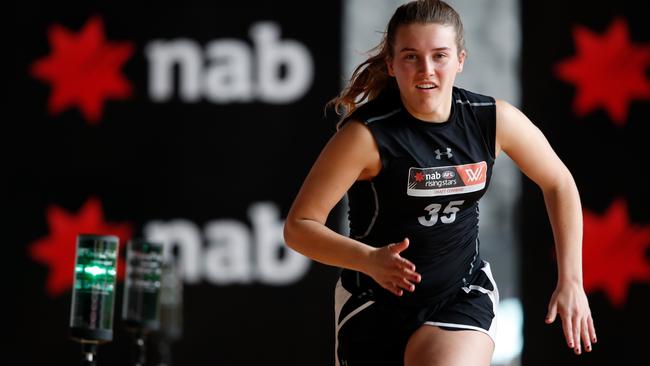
pixel 494 297
pixel 341 296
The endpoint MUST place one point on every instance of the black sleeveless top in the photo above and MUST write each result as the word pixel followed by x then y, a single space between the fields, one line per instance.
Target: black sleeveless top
pixel 432 177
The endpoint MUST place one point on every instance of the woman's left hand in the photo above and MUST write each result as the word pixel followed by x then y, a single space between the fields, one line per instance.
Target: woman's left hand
pixel 570 301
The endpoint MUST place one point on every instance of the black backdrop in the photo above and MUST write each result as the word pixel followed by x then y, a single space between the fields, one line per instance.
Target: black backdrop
pixel 586 85
pixel 97 150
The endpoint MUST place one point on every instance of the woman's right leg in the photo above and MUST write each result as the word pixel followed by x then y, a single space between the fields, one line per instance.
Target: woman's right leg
pixel 468 324
pixel 366 331
pixel 433 346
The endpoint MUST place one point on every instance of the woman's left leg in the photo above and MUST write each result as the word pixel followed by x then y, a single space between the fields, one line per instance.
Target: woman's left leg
pixel 433 346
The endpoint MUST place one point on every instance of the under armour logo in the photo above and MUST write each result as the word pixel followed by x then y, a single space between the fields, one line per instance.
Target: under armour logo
pixel 439 154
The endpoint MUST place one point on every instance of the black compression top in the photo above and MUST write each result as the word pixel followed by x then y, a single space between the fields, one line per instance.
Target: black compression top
pixel 432 177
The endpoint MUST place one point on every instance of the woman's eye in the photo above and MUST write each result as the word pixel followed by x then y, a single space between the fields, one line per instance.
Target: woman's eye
pixel 411 57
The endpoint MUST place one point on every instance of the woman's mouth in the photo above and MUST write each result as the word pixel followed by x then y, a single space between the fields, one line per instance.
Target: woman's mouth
pixel 426 86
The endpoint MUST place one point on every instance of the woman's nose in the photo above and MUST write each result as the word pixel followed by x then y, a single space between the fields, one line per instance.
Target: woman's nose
pixel 427 67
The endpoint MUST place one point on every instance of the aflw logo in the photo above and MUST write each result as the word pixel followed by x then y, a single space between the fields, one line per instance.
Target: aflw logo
pixel 474 175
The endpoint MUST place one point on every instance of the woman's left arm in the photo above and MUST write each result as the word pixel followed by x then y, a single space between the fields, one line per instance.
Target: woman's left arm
pixel 525 144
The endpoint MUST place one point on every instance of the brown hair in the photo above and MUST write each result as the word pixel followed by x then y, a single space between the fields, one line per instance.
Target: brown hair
pixel 371 77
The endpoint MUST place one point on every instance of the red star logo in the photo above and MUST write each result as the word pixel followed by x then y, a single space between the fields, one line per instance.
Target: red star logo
pixel 608 71
pixel 419 177
pixel 57 250
pixel 614 252
pixel 83 69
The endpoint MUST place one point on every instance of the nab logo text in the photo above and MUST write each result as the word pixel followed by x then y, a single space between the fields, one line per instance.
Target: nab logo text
pixel 274 70
pixel 228 252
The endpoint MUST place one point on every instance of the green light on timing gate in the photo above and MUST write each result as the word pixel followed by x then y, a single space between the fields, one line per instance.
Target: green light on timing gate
pixel 95 270
pixel 93 295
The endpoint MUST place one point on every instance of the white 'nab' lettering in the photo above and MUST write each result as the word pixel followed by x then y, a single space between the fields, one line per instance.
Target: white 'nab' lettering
pixel 274 71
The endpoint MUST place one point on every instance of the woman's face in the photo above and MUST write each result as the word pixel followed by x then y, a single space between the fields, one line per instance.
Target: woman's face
pixel 425 63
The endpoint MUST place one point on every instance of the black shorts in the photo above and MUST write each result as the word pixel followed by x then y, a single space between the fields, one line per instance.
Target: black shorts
pixel 369 332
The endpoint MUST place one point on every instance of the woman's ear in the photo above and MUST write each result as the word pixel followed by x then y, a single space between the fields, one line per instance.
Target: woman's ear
pixel 461 60
pixel 389 66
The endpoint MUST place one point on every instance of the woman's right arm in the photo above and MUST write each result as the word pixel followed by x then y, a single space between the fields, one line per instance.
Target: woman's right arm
pixel 350 155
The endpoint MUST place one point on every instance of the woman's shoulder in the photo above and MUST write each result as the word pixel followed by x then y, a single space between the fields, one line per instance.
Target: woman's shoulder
pixel 464 96
pixel 378 109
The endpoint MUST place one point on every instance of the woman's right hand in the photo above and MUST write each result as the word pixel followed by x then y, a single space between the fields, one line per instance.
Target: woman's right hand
pixel 391 271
